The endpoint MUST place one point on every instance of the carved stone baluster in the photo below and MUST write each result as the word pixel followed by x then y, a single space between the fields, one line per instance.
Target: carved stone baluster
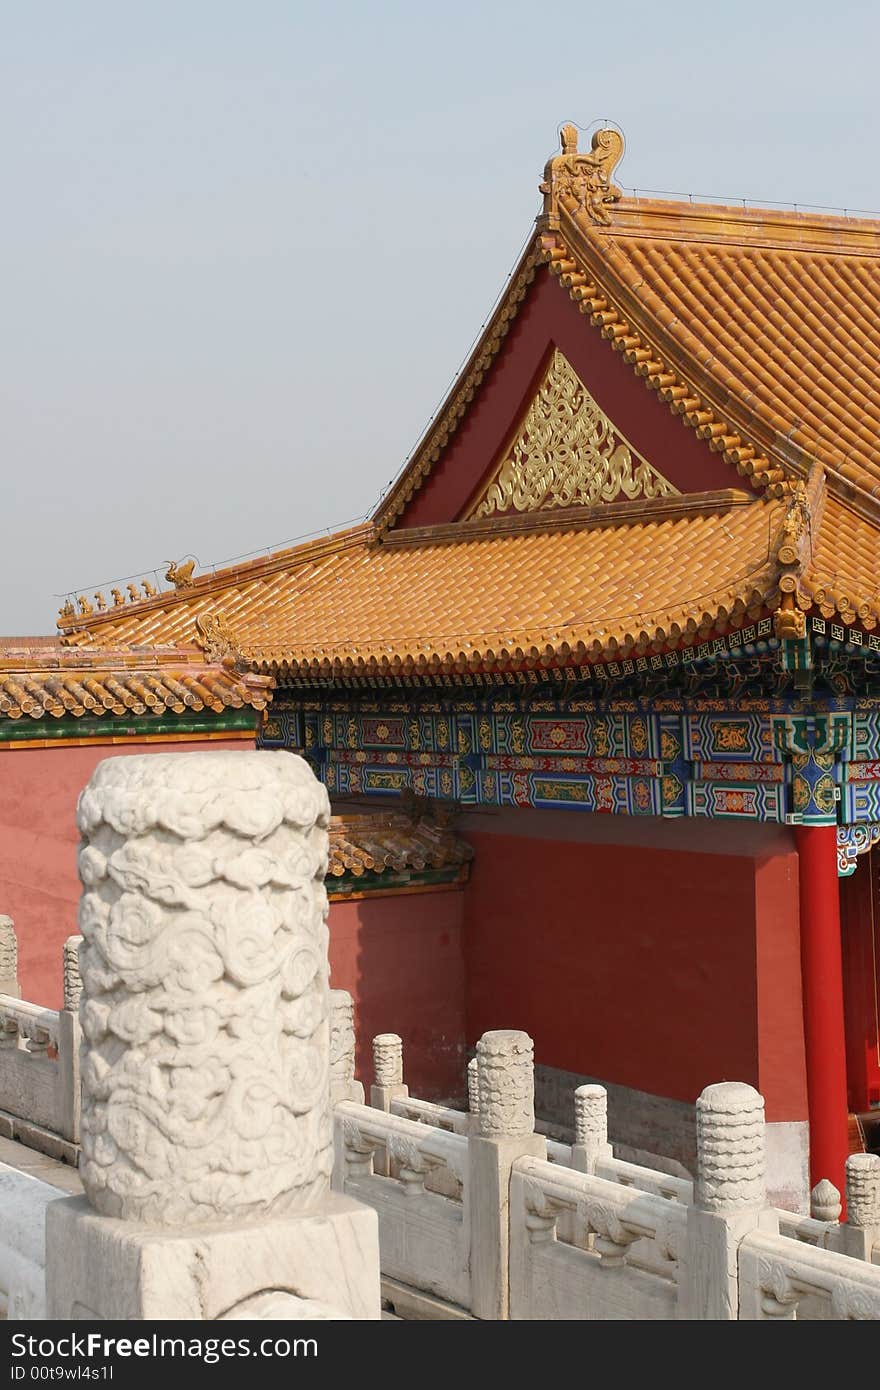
pixel 825 1203
pixel 359 1151
pixel 388 1071
pixel 72 977
pixel 473 1089
pixel 342 1049
pixel 36 1039
pixel 541 1216
pixel 8 1030
pixel 69 1040
pixel 411 1166
pixel 861 1231
pixel 8 958
pixel 779 1295
pixel 612 1237
pixel 590 1128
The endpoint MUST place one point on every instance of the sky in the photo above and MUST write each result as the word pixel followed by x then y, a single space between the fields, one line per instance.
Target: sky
pixel 246 247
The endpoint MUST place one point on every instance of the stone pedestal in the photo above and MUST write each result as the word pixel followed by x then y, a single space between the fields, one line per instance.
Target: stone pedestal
pixel 101 1269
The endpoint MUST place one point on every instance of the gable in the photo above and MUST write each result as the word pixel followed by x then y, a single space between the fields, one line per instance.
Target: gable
pixel 448 488
pixel 565 453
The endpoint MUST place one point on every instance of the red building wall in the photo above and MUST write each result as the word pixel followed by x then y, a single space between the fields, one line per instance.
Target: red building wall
pixel 399 955
pixel 861 980
pixel 662 967
pixel 39 886
pixel 401 959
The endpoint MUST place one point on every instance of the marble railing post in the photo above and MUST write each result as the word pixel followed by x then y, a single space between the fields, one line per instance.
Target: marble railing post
pixel 473 1093
pixel 342 1049
pixel 825 1203
pixel 730 1197
pixel 861 1230
pixel 506 1085
pixel 590 1128
pixel 8 958
pixel 387 1071
pixel 69 1039
pixel 206 1121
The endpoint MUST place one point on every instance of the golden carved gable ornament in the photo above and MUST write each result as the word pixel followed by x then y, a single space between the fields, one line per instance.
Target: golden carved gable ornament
pixel 567 453
pixel 583 178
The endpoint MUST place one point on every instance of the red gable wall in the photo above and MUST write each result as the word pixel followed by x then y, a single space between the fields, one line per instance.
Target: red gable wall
pixel 548 317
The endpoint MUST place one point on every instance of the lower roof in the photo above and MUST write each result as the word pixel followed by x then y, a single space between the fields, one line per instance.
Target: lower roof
pixel 372 842
pixel 36 681
pixel 577 585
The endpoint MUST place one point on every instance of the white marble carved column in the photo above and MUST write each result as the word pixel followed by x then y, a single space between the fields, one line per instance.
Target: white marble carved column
pixel 206 1047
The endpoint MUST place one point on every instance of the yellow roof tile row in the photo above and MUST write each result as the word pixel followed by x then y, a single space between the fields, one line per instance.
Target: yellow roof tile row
pixel 58 682
pixel 473 595
pixel 372 843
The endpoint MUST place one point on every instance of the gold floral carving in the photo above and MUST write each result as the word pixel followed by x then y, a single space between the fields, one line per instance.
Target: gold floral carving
pixel 567 453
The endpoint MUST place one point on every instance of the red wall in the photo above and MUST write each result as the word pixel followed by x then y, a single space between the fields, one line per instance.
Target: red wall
pixel 656 968
pixel 401 959
pixel 39 887
pixel 861 981
pixel 782 1078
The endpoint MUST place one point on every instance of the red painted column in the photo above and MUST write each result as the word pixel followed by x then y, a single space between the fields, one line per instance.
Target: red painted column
pixel 824 1032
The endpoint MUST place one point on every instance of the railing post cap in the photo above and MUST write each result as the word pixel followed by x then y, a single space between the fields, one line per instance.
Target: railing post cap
pixel 500 1041
pixel 729 1097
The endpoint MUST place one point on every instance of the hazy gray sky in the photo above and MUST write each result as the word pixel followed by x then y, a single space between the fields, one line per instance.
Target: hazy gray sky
pixel 246 246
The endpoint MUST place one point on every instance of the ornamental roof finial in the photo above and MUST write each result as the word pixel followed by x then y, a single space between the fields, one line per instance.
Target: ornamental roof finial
pixel 581 183
pixel 568 138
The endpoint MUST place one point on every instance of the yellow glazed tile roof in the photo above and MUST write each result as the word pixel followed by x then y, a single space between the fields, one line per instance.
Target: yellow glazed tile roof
pixel 760 330
pixel 481 594
pixel 40 681
pixel 374 842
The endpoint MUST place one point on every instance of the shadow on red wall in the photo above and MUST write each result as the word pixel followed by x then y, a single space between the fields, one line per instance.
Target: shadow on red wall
pixel 400 957
pixel 658 970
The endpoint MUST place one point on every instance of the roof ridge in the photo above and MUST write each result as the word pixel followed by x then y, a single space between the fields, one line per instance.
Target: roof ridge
pixel 629 512
pixel 81 625
pixel 662 216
